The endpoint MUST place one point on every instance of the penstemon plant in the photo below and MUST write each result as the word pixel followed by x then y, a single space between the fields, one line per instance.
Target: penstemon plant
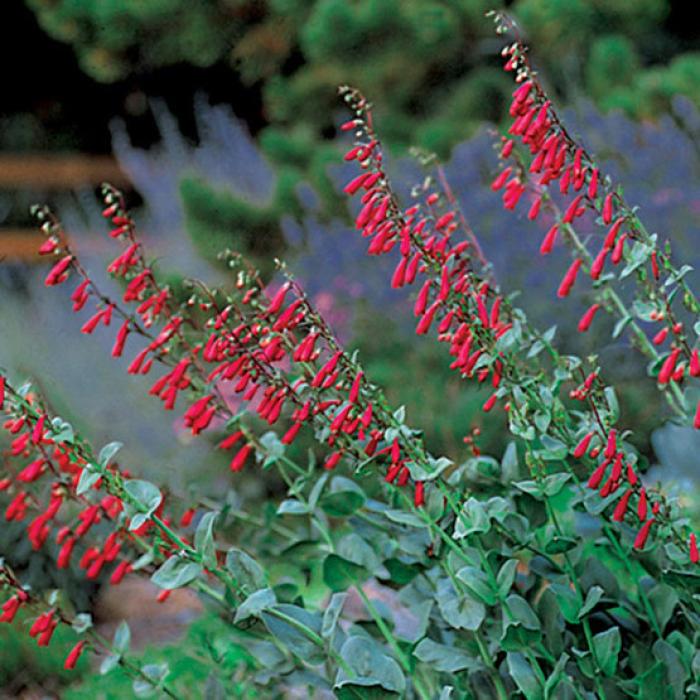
pixel 553 571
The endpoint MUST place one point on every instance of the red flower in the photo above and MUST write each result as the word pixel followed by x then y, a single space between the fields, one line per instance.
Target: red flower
pixel 621 507
pixel 641 539
pixel 73 656
pixel 548 240
pixel 694 556
pixel 582 446
pixel 569 278
pixel 585 323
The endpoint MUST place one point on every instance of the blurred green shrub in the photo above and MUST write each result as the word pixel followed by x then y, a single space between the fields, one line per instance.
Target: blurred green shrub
pixel 424 57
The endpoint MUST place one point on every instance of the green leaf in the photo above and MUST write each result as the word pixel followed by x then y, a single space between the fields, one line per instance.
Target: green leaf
pixel 343 498
pixel 430 472
pixel 82 622
pixel 531 487
pixel 358 551
pixel 595 593
pixel 620 326
pixel 509 463
pixel 204 539
pixel 176 572
pixel 472 518
pixel 254 604
pixel 613 404
pixel 146 498
pixel 122 638
pixel 107 452
pixel 272 444
pixel 89 476
pixel 109 663
pixel 371 667
pixel 607 646
pixel 568 601
pixel 553 681
pixel 443 658
pixel 292 506
pixel 245 569
pixel 554 483
pixel 523 675
pixel 339 574
pixel 459 611
pixel 477 583
pixel 331 614
pixel 552 449
pixel 154 674
pixel 506 576
pixel 291 634
pixel 62 431
pixel 316 491
pixel 403 517
pixel 663 600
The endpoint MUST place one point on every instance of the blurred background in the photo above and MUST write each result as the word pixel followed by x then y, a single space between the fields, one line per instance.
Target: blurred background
pixel 218 118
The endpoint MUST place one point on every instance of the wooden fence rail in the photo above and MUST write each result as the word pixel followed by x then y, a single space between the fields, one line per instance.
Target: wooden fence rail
pixel 49 171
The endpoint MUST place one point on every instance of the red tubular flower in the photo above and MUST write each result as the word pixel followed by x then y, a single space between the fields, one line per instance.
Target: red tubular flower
pixel 355 388
pixel 619 249
pixel 641 539
pixel 696 421
pixel 187 516
pixel 573 210
pixel 694 365
pixel 354 185
pixel 660 337
pixel 642 505
pixel 228 442
pixel 419 494
pixel 121 570
pixel 424 324
pixel 120 340
pixel 422 299
pixel 693 547
pixel 593 184
pixel 534 209
pixel 654 266
pixel 40 624
pixel 597 476
pixel 621 507
pixel 58 272
pixel 668 366
pixel 74 655
pixel 238 462
pixel 289 437
pixel 332 460
pixel 48 246
pixel 500 179
pixel 65 553
pixel 10 608
pixel 582 446
pixel 585 323
pixel 489 403
pixel 399 277
pixel 598 264
pixel 608 209
pixel 569 278
pixel 611 446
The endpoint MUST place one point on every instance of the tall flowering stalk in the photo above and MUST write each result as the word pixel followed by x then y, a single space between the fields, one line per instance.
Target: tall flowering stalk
pixel 562 179
pixel 490 340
